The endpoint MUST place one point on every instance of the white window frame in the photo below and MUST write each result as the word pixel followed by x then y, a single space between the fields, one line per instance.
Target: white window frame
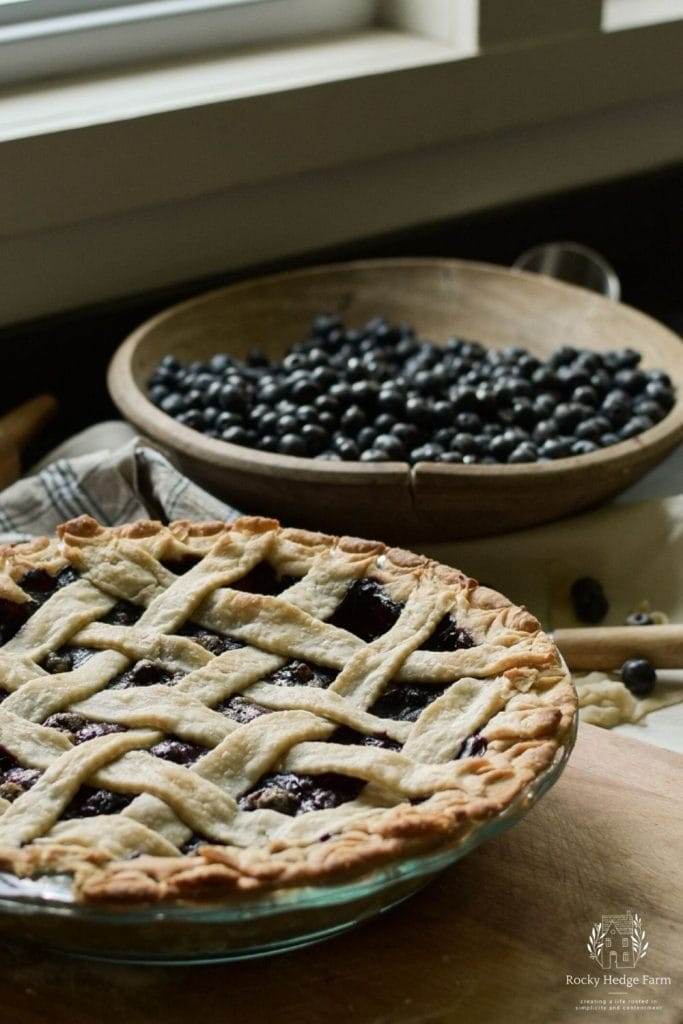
pixel 125 182
pixel 60 39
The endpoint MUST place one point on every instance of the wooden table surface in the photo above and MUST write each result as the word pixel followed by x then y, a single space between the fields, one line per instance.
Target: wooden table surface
pixel 492 939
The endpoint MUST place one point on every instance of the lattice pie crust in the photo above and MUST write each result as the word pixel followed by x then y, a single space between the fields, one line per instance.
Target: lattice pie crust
pixel 423 785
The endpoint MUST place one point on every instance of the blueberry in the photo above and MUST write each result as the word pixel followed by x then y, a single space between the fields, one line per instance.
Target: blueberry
pixel 592 429
pixel 651 409
pixel 609 439
pixel 524 452
pixel 636 425
pixel 391 400
pixel 365 438
pixel 304 390
pixel 639 619
pixel 228 419
pixel 626 358
pixel 563 356
pixel 631 381
pixel 390 444
pixel 442 413
pixel 346 449
pixel 601 382
pixel 220 363
pixel 169 362
pixel 236 435
pixel 426 453
pixel 617 408
pixel 546 430
pixel 374 455
pixel 556 448
pixel 408 433
pixel 292 444
pixel 638 676
pixel 353 419
pixel 468 422
pixel 544 377
pixel 384 422
pixel 365 392
pixel 467 444
pixel 567 416
pixel 173 404
pixel 191 418
pixel 287 424
pixel 584 447
pixel 306 414
pixel 342 392
pixel 270 393
pixel 454 457
pixel 315 438
pixel 660 393
pixel 500 447
pixel 589 600
pixel 522 413
pixel 232 399
pixel 586 395
pixel 544 406
pixel 157 393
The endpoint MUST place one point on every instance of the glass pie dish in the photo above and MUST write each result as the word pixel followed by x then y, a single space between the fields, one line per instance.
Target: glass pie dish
pixel 43 910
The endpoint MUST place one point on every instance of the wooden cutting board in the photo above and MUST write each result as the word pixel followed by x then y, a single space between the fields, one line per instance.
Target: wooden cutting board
pixel 491 940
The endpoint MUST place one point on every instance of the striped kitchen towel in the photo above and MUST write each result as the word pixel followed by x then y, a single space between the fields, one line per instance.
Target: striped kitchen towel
pixel 132 482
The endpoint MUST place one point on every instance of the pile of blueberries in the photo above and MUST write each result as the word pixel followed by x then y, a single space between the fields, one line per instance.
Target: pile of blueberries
pixel 382 394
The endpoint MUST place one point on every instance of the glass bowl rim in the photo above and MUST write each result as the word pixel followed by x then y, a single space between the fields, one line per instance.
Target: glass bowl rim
pixel 239 907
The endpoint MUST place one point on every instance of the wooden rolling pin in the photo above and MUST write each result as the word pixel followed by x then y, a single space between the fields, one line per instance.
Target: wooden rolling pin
pixel 606 648
pixel 17 428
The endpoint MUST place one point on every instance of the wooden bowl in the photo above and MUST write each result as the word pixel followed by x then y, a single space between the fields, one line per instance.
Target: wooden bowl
pixel 440 298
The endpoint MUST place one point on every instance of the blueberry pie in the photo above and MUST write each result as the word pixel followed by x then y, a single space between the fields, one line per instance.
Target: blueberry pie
pixel 202 709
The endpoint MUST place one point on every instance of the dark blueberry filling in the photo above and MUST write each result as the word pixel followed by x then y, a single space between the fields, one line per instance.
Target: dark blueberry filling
pixel 123 614
pixel 474 746
pixel 366 610
pixel 79 729
pixel 177 751
pixel 297 794
pixel 14 780
pixel 145 673
pixel 344 734
pixel 405 703
pixel 448 636
pixel 193 844
pixel 39 585
pixel 89 802
pixel 264 580
pixel 66 659
pixel 300 673
pixel 182 565
pixel 240 709
pixel 12 617
pixel 215 643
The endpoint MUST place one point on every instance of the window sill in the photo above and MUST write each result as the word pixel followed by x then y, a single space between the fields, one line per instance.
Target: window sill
pixel 145 178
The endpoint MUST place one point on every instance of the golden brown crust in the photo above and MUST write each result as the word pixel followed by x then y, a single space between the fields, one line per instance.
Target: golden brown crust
pixel 533 718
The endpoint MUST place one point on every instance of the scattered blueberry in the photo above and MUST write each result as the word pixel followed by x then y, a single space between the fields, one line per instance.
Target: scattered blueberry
pixel 639 619
pixel 589 601
pixel 638 676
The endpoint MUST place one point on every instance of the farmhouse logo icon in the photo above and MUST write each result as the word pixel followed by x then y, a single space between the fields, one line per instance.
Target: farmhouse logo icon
pixel 618 941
